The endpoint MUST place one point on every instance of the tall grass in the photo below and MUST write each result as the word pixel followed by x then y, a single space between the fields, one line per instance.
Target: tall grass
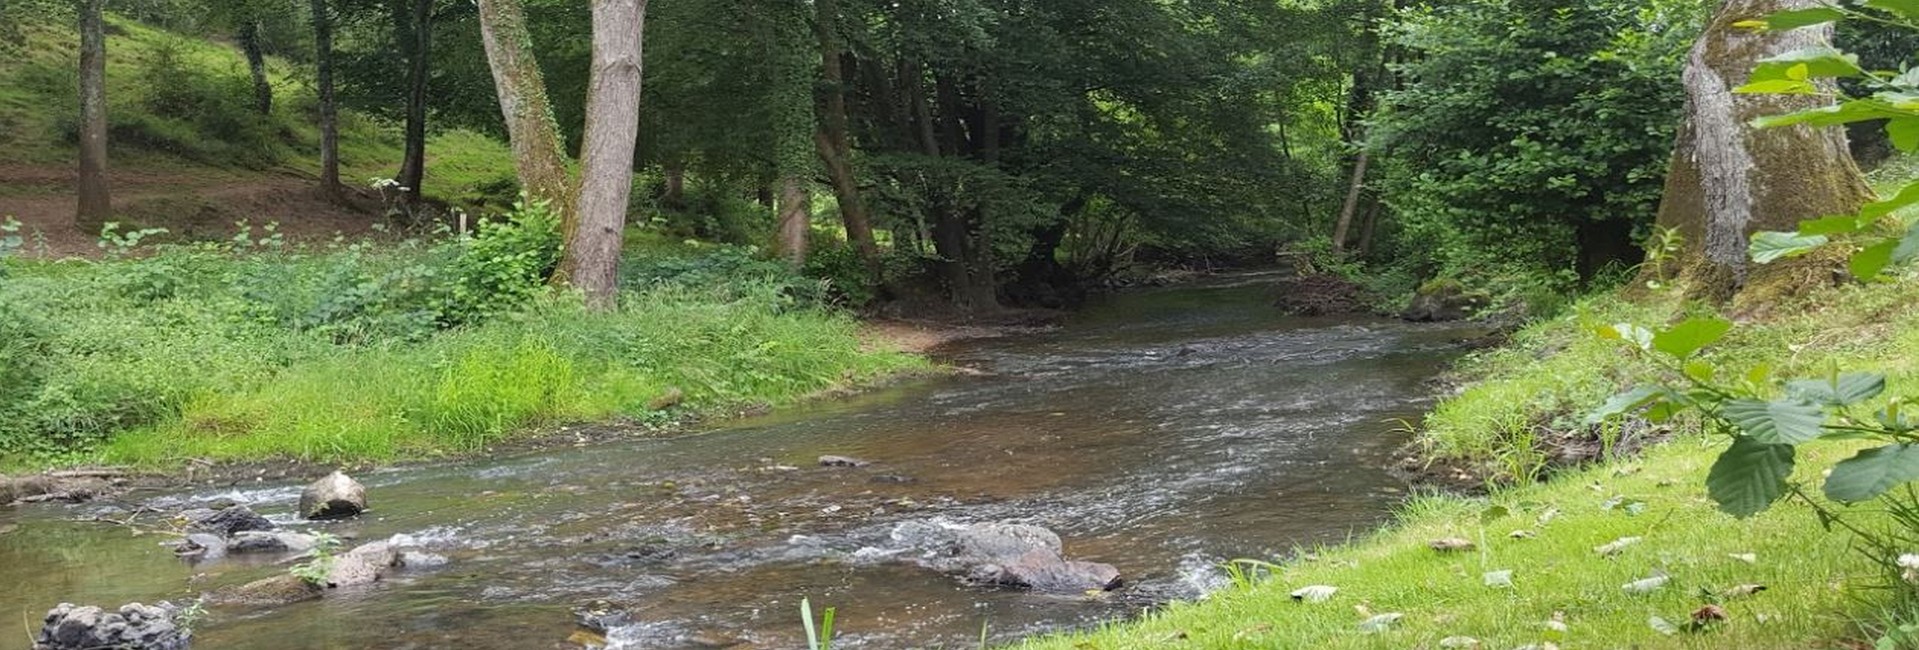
pixel 352 354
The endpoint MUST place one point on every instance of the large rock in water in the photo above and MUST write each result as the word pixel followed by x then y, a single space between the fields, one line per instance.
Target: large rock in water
pixel 335 497
pixel 227 521
pixel 359 567
pixel 133 627
pixel 1442 301
pixel 1008 555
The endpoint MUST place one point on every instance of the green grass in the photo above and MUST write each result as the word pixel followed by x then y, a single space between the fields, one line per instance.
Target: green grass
pixel 351 354
pixel 1818 589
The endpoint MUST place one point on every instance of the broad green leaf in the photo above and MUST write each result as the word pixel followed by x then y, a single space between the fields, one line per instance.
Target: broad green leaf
pixel 1750 477
pixel 1872 473
pixel 1904 134
pixel 1778 87
pixel 1858 110
pixel 1624 403
pixel 1782 422
pixel 1844 390
pixel 1772 246
pixel 1701 371
pixel 1869 263
pixel 1688 338
pixel 1797 18
pixel 1813 62
pixel 1906 197
pixel 1630 333
pixel 1841 224
pixel 1907 9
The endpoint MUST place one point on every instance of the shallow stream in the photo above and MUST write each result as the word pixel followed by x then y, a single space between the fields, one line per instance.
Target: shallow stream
pixel 1161 431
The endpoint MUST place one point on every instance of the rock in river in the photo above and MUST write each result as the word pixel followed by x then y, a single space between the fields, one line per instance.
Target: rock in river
pixel 842 461
pixel 1003 554
pixel 227 521
pixel 133 627
pixel 335 497
pixel 270 542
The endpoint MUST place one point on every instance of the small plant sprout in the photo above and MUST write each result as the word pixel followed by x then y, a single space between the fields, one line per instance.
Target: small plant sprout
pixel 818 637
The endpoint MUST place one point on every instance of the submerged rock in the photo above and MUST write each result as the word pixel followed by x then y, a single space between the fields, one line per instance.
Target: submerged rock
pixel 337 496
pixel 270 542
pixel 201 547
pixel 1002 554
pixel 132 627
pixel 227 521
pixel 842 461
pixel 1442 301
pixel 272 591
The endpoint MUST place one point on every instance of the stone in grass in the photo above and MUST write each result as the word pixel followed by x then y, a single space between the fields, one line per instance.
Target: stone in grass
pixel 1453 545
pixel 1647 585
pixel 1315 594
pixel 1455 642
pixel 1499 579
pixel 1380 623
pixel 337 496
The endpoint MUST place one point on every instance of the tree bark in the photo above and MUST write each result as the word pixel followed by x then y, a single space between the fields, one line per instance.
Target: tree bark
pixel 329 108
pixel 257 65
pixel 592 258
pixel 538 159
pixel 796 224
pixel 1344 228
pixel 419 62
pixel 835 140
pixel 1729 181
pixel 96 203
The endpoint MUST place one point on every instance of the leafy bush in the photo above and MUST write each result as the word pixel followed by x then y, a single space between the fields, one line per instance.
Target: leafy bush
pixel 1523 145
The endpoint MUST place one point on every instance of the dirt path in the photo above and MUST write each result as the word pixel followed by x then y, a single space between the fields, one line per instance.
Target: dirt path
pixel 204 206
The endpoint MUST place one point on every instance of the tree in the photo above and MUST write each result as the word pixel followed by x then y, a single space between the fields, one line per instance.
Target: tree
pixel 593 227
pixel 328 105
pixel 1730 181
pixel 592 256
pixel 413 28
pixel 835 138
pixel 96 203
pixel 796 211
pixel 531 130
pixel 249 38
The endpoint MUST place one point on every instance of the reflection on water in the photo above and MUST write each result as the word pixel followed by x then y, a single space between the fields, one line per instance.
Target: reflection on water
pixel 1161 432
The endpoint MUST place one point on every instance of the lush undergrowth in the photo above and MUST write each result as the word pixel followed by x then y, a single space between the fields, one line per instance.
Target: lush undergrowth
pixel 356 354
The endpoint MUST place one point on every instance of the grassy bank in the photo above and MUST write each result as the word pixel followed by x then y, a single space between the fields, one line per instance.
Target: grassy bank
pixel 351 353
pixel 1819 588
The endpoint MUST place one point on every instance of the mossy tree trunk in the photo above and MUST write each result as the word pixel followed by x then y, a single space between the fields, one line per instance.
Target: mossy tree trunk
pixel 538 158
pixel 1729 180
pixel 835 140
pixel 249 38
pixel 96 202
pixel 795 220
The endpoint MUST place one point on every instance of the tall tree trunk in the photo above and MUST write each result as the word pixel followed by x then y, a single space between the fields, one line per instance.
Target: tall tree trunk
pixel 329 108
pixel 1370 228
pixel 1351 208
pixel 835 140
pixel 257 65
pixel 795 220
pixel 535 136
pixel 674 196
pixel 592 258
pixel 1729 181
pixel 96 203
pixel 419 62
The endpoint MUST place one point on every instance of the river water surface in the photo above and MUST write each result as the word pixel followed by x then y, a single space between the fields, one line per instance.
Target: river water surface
pixel 1161 431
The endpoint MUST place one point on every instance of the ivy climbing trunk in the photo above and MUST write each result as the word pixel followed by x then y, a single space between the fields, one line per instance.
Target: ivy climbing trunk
pixel 329 106
pixel 795 220
pixel 835 140
pixel 256 65
pixel 591 262
pixel 96 202
pixel 418 34
pixel 1729 180
pixel 538 159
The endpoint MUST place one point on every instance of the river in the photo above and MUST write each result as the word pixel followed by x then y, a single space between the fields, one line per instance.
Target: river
pixel 1161 431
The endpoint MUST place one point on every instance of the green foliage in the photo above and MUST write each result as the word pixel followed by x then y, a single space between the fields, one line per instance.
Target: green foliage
pixel 315 571
pixel 353 353
pixel 1531 139
pixel 818 637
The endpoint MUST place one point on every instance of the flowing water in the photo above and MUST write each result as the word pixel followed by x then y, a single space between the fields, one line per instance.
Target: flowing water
pixel 1160 431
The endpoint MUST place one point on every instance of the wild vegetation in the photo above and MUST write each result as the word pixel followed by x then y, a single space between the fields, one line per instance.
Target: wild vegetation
pixel 540 212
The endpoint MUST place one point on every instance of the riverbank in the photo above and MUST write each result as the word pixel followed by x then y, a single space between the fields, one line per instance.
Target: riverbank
pixel 352 354
pixel 1562 561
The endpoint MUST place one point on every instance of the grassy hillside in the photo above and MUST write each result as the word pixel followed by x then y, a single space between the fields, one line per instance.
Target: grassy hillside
pixel 184 105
